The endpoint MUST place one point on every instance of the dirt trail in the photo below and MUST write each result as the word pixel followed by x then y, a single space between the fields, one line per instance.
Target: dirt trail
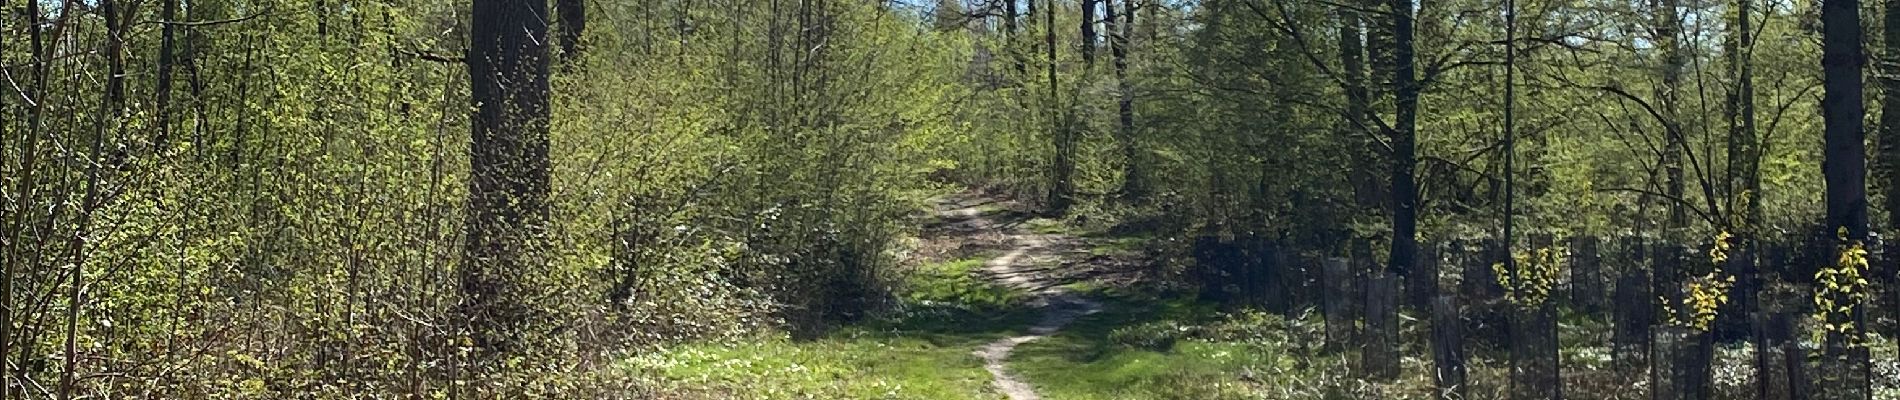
pixel 1025 265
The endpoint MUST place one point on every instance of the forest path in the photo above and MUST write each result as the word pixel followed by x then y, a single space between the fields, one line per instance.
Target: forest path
pixel 1031 263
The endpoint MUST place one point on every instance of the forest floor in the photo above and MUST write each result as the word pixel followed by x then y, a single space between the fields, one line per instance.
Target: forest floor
pixel 997 303
pixel 1027 267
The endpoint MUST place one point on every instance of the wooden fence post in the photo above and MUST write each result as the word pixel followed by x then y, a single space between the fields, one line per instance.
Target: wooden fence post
pixel 1535 371
pixel 1667 279
pixel 1280 274
pixel 1635 312
pixel 1586 276
pixel 1337 281
pixel 1422 285
pixel 1732 319
pixel 1487 319
pixel 1448 348
pixel 1778 357
pixel 1795 359
pixel 1380 357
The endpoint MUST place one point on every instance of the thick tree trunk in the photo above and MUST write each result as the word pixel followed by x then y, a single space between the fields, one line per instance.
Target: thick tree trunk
pixel 1844 167
pixel 508 179
pixel 573 16
pixel 1844 163
pixel 1404 141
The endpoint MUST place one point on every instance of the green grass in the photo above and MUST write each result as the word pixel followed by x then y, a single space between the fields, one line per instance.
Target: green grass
pixel 1086 361
pixel 924 351
pixel 1143 347
pixel 830 368
pixel 1118 246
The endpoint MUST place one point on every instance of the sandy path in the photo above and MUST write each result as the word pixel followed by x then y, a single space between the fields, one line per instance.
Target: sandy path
pixel 1023 266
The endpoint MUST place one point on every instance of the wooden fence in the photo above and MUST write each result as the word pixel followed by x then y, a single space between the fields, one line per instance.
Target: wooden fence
pixel 1632 285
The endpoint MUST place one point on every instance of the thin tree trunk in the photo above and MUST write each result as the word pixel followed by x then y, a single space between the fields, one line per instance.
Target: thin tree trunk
pixel 28 188
pixel 1748 146
pixel 1009 38
pixel 1520 324
pixel 1089 37
pixel 1060 195
pixel 1353 125
pixel 109 110
pixel 508 181
pixel 7 215
pixel 167 40
pixel 1510 137
pixel 1668 36
pixel 1029 25
pixel 1889 78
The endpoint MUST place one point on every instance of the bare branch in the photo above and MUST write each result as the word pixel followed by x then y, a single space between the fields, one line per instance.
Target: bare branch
pixel 207 23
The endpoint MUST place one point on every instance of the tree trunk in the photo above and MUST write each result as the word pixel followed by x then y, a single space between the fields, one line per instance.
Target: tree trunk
pixel 1844 162
pixel 1889 78
pixel 1404 135
pixel 508 179
pixel 28 184
pixel 1353 122
pixel 1743 151
pixel 167 40
pixel 1029 26
pixel 1844 167
pixel 1061 192
pixel 109 110
pixel 1510 139
pixel 1009 38
pixel 573 15
pixel 1134 185
pixel 1668 37
pixel 1089 36
pixel 7 215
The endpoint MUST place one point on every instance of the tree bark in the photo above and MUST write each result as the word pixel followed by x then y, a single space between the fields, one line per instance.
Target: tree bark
pixel 1358 113
pixel 1134 185
pixel 1668 31
pixel 7 215
pixel 1743 151
pixel 1510 139
pixel 508 179
pixel 1889 78
pixel 1404 141
pixel 1844 163
pixel 1844 167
